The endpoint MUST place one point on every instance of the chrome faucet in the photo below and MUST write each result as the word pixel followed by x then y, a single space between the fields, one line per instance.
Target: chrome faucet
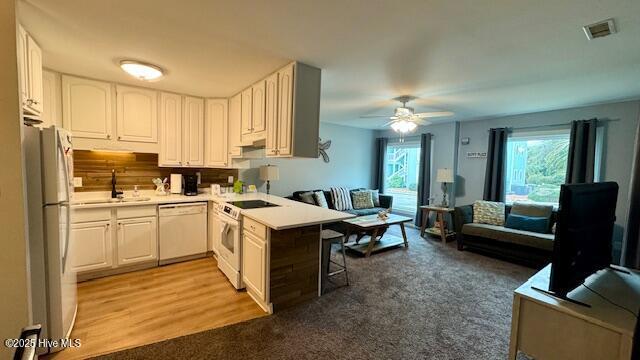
pixel 114 192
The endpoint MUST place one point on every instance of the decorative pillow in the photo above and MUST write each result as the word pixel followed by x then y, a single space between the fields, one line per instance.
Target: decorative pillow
pixel 488 212
pixel 534 210
pixel 320 199
pixel 341 198
pixel 536 224
pixel 362 199
pixel 307 197
pixel 375 196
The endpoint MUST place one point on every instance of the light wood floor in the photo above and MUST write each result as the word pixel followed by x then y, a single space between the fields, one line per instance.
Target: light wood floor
pixel 148 306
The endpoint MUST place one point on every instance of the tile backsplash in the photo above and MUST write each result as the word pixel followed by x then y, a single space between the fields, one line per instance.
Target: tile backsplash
pixel 94 167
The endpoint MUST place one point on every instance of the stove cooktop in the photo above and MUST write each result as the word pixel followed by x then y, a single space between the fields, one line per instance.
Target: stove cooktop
pixel 252 204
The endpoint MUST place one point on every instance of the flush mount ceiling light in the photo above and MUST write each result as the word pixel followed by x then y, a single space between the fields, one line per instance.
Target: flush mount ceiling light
pixel 141 71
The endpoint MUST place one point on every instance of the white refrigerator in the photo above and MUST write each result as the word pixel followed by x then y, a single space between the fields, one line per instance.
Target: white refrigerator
pixel 49 174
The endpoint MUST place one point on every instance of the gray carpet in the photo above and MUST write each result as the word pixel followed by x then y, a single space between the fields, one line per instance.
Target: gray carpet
pixel 429 301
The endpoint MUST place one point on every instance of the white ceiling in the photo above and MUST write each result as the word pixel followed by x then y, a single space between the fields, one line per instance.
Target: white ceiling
pixel 476 58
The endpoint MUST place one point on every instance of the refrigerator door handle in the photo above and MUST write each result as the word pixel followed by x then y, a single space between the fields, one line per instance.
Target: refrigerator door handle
pixel 66 238
pixel 67 182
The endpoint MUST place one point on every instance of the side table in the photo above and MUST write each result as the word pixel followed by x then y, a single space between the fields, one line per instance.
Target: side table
pixel 440 215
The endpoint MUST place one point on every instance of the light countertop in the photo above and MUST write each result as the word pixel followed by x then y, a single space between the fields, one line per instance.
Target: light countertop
pixel 288 215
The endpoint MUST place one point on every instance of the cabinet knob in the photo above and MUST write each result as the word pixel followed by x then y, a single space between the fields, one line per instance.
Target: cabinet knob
pixel 29 101
pixel 35 102
pixel 108 136
pixel 119 137
pixel 188 163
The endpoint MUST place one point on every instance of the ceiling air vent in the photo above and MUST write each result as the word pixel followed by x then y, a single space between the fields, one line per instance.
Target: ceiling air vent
pixel 600 29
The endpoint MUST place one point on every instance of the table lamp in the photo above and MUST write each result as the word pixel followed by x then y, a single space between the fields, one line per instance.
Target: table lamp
pixel 269 173
pixel 444 176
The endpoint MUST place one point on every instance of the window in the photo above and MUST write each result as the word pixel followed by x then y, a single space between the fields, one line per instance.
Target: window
pixel 536 166
pixel 401 175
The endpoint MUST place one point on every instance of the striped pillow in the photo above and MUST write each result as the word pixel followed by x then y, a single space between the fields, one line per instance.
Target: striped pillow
pixel 341 198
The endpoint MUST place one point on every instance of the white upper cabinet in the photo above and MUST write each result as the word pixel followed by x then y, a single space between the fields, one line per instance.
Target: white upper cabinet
pixel 296 129
pixel 216 133
pixel 30 73
pixel 170 130
pixel 51 100
pixel 137 114
pixel 247 96
pixel 34 56
pixel 285 114
pixel 193 132
pixel 235 133
pixel 87 107
pixel 258 124
pixel 271 114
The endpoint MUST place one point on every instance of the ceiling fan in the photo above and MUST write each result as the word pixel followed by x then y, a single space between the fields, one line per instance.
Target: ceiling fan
pixel 405 119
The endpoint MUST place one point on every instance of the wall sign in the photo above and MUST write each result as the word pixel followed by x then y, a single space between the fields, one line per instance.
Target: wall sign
pixel 476 155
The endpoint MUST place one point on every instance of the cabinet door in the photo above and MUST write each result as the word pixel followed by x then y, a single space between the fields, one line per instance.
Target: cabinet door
pixel 50 99
pixel 246 111
pixel 137 240
pixel 235 115
pixel 285 110
pixel 90 246
pixel 34 74
pixel 86 107
pixel 216 133
pixel 23 65
pixel 271 114
pixel 254 260
pixel 170 130
pixel 137 114
pixel 258 107
pixel 193 132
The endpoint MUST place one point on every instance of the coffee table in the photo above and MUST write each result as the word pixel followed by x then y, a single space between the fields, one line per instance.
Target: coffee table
pixel 375 228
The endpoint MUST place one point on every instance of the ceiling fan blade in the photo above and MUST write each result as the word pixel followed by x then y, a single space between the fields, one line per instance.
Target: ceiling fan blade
pixel 422 122
pixel 373 116
pixel 388 123
pixel 433 114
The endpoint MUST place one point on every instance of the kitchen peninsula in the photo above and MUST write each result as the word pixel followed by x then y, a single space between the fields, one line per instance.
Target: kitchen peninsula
pixel 280 255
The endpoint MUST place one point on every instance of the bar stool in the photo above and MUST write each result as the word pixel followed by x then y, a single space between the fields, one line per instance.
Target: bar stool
pixel 329 237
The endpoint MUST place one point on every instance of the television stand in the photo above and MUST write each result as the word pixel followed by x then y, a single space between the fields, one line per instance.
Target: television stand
pixel 561 297
pixel 545 327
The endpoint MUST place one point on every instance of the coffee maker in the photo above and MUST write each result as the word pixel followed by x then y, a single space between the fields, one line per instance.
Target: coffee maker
pixel 190 185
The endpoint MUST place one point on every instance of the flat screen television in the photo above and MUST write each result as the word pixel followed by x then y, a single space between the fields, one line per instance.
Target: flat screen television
pixel 584 232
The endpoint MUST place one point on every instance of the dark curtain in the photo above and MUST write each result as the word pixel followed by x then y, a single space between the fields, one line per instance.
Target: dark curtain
pixel 582 152
pixel 381 151
pixel 631 242
pixel 496 159
pixel 424 175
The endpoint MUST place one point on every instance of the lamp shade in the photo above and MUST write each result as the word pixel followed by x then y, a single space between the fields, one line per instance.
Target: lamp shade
pixel 269 173
pixel 444 176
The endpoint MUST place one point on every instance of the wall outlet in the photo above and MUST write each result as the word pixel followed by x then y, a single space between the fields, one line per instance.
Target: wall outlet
pixel 230 180
pixel 199 177
pixel 77 182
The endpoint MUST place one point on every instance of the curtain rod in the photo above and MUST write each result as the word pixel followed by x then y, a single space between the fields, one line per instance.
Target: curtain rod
pixel 600 121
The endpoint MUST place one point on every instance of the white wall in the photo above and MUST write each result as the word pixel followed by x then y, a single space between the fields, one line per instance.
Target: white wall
pixel 14 311
pixel 352 155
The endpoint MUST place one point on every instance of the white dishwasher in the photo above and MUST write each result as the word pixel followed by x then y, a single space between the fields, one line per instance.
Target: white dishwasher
pixel 183 232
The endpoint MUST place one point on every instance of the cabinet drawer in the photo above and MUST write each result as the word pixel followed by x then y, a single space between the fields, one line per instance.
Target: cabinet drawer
pixel 255 227
pixel 86 215
pixel 135 211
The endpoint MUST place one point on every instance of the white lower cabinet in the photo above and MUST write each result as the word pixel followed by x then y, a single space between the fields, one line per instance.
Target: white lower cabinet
pixel 137 240
pixel 106 241
pixel 90 246
pixel 254 265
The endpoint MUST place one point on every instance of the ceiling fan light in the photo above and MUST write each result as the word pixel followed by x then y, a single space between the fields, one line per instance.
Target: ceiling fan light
pixel 403 126
pixel 141 71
